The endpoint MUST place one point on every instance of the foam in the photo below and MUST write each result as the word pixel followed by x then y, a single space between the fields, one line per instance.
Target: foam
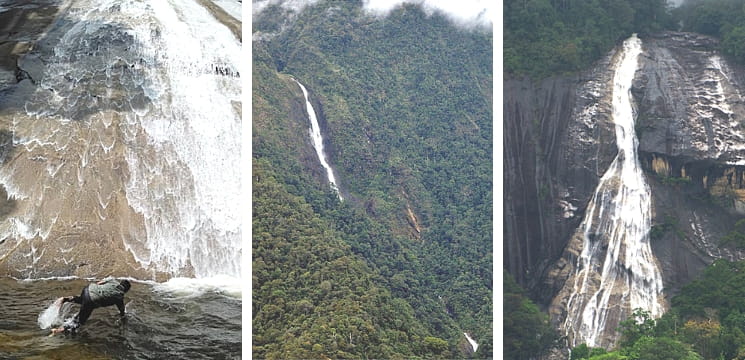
pixel 193 287
pixel 50 316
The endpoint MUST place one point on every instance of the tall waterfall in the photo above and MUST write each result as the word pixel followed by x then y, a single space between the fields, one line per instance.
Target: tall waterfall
pixel 315 135
pixel 129 144
pixel 616 271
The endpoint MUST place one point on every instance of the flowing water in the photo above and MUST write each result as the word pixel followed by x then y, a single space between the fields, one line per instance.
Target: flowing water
pixel 120 154
pixel 616 271
pixel 179 319
pixel 315 135
pixel 473 342
pixel 124 150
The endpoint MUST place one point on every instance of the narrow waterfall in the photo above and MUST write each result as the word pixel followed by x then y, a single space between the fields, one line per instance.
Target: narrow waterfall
pixel 616 271
pixel 315 135
pixel 128 147
pixel 473 343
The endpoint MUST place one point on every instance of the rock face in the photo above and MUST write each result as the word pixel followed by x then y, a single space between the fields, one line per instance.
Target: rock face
pixel 692 143
pixel 559 141
pixel 111 161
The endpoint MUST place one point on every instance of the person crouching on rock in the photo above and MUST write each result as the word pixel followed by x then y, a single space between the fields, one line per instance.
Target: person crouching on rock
pixel 106 292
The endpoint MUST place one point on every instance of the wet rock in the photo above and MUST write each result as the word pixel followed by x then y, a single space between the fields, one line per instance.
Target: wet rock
pixel 558 141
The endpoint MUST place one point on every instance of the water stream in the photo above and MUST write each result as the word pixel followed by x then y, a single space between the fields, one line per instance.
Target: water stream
pixel 315 135
pixel 120 154
pixel 179 319
pixel 616 271
pixel 473 343
pixel 125 151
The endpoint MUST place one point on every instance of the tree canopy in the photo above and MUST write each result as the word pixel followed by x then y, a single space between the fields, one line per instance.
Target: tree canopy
pixel 553 37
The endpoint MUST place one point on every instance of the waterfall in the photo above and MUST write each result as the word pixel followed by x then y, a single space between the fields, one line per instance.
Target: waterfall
pixel 473 343
pixel 315 135
pixel 129 145
pixel 616 271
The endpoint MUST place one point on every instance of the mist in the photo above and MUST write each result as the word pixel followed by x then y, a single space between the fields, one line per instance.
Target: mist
pixel 467 13
pixel 675 3
pixel 294 5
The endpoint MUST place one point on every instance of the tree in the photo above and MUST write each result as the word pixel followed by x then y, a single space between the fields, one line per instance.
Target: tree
pixel 527 332
pixel 435 345
pixel 705 335
pixel 639 324
pixel 651 348
pixel 733 43
pixel 582 351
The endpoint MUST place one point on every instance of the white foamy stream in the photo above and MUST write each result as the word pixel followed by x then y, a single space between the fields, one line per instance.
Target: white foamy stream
pixel 315 135
pixel 133 136
pixel 616 271
pixel 473 343
pixel 197 134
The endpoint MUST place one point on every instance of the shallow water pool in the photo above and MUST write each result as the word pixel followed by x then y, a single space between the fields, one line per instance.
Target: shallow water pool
pixel 164 321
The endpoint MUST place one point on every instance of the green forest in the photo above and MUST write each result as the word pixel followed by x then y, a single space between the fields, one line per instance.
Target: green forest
pixel 545 38
pixel 403 266
pixel 724 19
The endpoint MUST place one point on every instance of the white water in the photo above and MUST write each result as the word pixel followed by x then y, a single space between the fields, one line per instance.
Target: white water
pixel 51 316
pixel 315 135
pixel 616 270
pixel 197 131
pixel 132 140
pixel 191 288
pixel 473 343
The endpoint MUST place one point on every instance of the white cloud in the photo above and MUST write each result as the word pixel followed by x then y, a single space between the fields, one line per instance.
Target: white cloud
pixel 294 5
pixel 462 12
pixel 466 13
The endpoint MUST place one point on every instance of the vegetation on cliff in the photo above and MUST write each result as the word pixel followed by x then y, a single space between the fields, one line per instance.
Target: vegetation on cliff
pixel 405 104
pixel 527 331
pixel 724 19
pixel 706 321
pixel 312 296
pixel 550 37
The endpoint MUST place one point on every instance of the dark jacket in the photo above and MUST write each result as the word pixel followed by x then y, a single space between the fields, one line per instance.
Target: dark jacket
pixel 95 296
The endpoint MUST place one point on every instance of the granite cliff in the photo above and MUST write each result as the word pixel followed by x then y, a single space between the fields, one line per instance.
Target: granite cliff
pixel 559 140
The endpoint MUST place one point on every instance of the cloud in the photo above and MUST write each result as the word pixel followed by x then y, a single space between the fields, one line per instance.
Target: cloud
pixel 675 3
pixel 295 5
pixel 479 13
pixel 466 13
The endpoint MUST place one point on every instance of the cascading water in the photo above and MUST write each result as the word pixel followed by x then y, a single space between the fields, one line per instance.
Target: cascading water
pixel 128 143
pixel 616 271
pixel 315 135
pixel 474 344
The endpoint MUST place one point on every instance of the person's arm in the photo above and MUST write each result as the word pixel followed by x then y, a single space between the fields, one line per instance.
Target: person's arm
pixel 75 299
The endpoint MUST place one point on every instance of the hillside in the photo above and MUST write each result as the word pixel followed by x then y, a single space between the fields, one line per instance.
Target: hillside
pixel 405 106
